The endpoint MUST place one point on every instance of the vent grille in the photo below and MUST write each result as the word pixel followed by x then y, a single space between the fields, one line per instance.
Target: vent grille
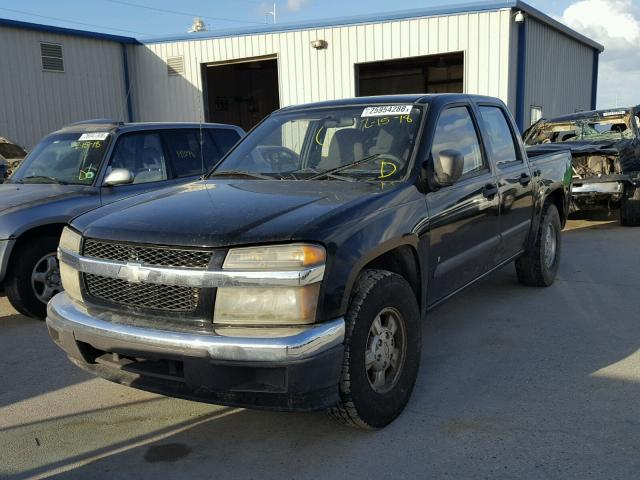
pixel 52 60
pixel 163 257
pixel 142 295
pixel 175 65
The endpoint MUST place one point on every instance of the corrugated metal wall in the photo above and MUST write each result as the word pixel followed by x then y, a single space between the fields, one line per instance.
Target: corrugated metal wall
pixel 558 72
pixel 308 75
pixel 34 102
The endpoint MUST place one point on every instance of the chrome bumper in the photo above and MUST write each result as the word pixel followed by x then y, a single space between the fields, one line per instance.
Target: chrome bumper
pixel 599 187
pixel 70 322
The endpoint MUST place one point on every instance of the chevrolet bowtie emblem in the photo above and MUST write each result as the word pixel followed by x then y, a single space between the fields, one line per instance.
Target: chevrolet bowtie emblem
pixel 134 273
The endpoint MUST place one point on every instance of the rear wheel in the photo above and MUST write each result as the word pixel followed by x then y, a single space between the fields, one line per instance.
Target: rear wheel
pixel 538 267
pixel 630 208
pixel 382 351
pixel 34 276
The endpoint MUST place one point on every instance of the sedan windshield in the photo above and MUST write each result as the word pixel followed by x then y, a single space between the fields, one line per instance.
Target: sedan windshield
pixel 365 143
pixel 68 158
pixel 582 130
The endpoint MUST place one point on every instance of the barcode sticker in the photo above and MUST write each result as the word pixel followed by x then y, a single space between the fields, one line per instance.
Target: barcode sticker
pixel 385 110
pixel 93 136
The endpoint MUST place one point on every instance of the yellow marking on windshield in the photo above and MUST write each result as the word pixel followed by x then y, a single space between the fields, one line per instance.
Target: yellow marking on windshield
pixel 383 166
pixel 318 137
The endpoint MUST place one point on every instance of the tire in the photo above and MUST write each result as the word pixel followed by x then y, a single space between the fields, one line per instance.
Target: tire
pixel 630 209
pixel 538 267
pixel 26 294
pixel 379 294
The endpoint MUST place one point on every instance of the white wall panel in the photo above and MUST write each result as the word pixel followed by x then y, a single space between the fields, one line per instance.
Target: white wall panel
pixel 307 75
pixel 34 102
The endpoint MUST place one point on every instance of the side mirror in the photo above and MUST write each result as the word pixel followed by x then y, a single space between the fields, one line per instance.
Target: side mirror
pixel 118 176
pixel 447 165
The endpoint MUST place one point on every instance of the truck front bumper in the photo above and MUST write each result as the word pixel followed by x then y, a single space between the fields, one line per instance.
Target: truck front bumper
pixel 294 369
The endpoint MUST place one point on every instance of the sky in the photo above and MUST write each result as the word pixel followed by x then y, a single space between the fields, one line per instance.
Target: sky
pixel 613 23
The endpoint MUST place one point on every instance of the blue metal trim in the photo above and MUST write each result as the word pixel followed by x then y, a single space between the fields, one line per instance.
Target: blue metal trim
pixel 594 79
pixel 488 5
pixel 66 31
pixel 521 75
pixel 127 83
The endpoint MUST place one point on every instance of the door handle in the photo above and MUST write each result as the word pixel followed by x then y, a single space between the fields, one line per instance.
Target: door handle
pixel 524 179
pixel 490 190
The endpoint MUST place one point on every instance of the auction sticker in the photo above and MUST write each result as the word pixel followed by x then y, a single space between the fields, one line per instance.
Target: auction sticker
pixel 611 114
pixel 384 110
pixel 93 136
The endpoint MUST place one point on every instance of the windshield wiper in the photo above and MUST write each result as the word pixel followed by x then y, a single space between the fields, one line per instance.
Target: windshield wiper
pixel 239 173
pixel 331 171
pixel 44 177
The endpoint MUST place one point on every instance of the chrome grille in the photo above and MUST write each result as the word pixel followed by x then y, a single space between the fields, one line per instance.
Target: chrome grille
pixel 158 256
pixel 142 295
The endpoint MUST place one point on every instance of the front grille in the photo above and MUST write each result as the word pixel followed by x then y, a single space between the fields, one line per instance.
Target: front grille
pixel 142 295
pixel 157 256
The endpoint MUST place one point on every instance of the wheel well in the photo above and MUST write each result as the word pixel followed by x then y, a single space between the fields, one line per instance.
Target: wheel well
pixel 52 230
pixel 402 261
pixel 557 198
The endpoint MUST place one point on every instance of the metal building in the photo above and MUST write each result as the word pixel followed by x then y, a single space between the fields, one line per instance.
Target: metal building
pixel 52 76
pixel 531 61
pixel 506 49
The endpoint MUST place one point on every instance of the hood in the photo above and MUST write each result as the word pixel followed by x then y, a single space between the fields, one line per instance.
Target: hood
pixel 18 196
pixel 232 212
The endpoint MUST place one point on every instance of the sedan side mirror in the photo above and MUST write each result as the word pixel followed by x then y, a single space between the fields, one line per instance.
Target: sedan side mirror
pixel 448 166
pixel 118 176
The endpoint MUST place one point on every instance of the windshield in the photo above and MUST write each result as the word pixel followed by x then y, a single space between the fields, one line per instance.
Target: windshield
pixel 582 130
pixel 72 158
pixel 11 151
pixel 343 143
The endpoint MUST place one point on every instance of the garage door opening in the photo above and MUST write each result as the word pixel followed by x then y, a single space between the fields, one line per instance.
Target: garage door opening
pixel 429 74
pixel 241 93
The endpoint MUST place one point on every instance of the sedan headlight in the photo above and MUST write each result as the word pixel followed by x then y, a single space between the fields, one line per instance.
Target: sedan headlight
pixel 266 305
pixel 70 277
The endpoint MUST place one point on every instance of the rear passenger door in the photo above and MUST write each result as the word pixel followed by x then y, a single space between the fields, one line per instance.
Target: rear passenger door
pixel 464 217
pixel 514 179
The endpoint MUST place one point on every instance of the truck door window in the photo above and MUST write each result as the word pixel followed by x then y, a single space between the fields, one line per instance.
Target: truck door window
pixel 188 156
pixel 224 138
pixel 142 155
pixel 455 131
pixel 501 144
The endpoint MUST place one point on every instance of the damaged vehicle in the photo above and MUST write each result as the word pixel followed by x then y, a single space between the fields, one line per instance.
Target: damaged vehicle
pixel 605 146
pixel 11 155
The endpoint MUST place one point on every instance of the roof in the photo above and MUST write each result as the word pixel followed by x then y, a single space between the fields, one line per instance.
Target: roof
pixel 66 31
pixel 607 112
pixel 103 125
pixel 488 5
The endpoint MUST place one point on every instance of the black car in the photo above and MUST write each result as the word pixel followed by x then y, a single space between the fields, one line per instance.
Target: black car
pixel 296 275
pixel 605 145
pixel 79 168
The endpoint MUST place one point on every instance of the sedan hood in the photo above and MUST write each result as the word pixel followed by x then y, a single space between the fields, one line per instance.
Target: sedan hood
pixel 17 196
pixel 229 212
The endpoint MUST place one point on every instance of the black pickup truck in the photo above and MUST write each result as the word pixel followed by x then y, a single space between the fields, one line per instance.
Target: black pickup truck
pixel 295 275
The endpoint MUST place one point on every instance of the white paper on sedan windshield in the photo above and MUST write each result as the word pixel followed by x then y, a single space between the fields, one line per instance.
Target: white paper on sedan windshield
pixel 385 110
pixel 93 136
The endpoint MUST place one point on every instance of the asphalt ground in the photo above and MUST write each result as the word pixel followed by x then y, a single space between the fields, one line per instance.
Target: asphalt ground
pixel 515 382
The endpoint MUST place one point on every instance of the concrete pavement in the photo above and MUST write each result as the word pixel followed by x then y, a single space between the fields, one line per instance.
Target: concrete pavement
pixel 515 382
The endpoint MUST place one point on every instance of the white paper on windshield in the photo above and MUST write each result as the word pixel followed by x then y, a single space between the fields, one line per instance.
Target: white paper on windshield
pixel 611 114
pixel 384 110
pixel 93 136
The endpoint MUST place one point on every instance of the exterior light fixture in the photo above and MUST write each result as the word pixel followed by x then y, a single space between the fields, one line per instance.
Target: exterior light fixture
pixel 320 44
pixel 519 18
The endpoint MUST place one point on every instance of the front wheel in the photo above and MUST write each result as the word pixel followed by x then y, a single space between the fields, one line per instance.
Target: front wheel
pixel 382 351
pixel 538 267
pixel 34 277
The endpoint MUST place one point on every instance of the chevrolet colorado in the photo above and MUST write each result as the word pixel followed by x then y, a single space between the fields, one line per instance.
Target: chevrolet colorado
pixel 296 274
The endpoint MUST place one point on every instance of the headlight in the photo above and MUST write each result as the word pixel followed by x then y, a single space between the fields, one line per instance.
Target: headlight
pixel 70 277
pixel 274 257
pixel 266 305
pixel 70 240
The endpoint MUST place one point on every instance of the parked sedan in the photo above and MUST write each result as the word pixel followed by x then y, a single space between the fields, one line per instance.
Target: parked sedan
pixel 10 157
pixel 79 168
